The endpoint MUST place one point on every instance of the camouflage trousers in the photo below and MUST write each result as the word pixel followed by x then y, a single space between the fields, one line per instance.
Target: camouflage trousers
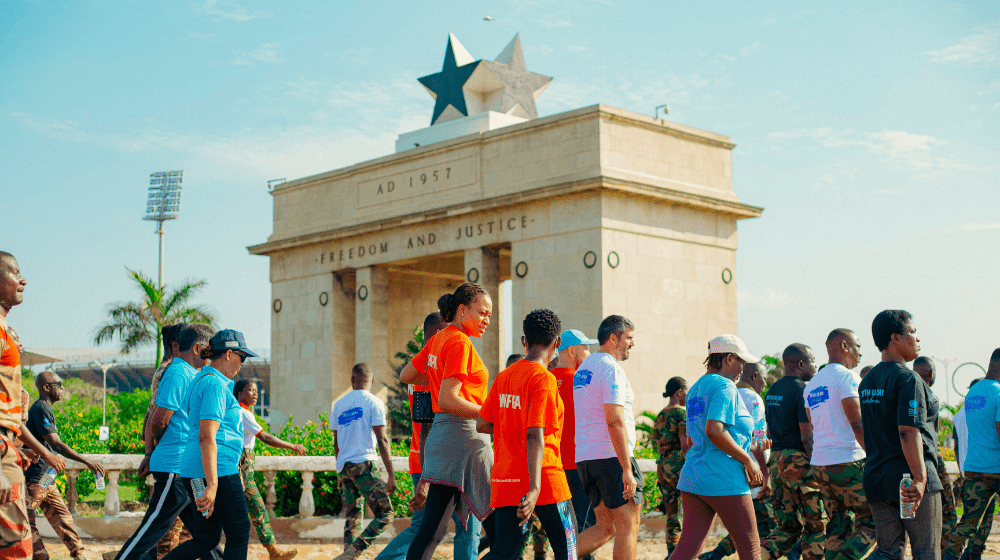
pixel 797 508
pixel 844 498
pixel 765 524
pixel 949 517
pixel 175 535
pixel 978 496
pixel 357 481
pixel 255 503
pixel 668 470
pixel 978 543
pixel 54 509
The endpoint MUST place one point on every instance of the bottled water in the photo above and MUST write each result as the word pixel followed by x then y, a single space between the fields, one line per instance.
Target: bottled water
pixel 48 478
pixel 906 509
pixel 98 481
pixel 198 487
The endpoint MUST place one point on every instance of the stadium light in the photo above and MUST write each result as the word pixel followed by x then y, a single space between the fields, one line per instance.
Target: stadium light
pixel 164 203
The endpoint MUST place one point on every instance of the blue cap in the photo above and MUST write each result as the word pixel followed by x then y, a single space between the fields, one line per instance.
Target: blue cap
pixel 574 337
pixel 228 339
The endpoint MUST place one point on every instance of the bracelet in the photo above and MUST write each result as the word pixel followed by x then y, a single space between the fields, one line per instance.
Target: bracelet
pixel 148 454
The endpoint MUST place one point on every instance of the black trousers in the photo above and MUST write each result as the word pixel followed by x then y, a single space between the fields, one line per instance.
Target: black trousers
pixel 557 520
pixel 584 510
pixel 168 499
pixel 229 515
pixel 440 505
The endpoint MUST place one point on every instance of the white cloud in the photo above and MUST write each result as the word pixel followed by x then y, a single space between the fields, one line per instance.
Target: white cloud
pixel 228 9
pixel 983 46
pixel 550 22
pixel 974 226
pixel 266 53
pixel 202 36
pixel 577 48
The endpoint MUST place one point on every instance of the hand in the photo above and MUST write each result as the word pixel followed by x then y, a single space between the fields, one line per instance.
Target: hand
pixel 765 489
pixel 526 509
pixel 763 444
pixel 419 495
pixel 97 468
pixel 54 462
pixel 6 489
pixel 628 480
pixel 391 485
pixel 914 494
pixel 143 470
pixel 299 448
pixel 207 501
pixel 27 456
pixel 754 476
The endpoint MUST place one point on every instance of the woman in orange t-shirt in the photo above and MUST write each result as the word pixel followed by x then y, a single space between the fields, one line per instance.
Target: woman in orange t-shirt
pixel 457 460
pixel 525 414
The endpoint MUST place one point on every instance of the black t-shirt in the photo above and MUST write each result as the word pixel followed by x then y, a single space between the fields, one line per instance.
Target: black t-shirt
pixel 41 422
pixel 784 408
pixel 892 395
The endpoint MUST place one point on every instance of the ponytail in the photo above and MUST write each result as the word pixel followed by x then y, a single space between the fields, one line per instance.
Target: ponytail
pixel 463 295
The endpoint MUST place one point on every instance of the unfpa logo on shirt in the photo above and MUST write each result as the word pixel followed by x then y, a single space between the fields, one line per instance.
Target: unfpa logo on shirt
pixel 432 361
pixel 582 378
pixel 696 406
pixel 774 400
pixel 975 403
pixel 350 415
pixel 913 407
pixel 510 401
pixel 817 396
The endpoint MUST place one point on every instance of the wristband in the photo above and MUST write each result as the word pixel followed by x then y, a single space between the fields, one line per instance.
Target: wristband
pixel 148 454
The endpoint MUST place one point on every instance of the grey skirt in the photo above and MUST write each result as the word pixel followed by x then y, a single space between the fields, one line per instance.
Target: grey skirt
pixel 457 455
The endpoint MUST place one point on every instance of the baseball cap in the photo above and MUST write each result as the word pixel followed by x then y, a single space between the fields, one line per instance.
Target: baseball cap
pixel 228 339
pixel 574 337
pixel 731 344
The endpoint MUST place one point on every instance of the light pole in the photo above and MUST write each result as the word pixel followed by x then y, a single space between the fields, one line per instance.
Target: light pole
pixel 946 362
pixel 104 432
pixel 163 204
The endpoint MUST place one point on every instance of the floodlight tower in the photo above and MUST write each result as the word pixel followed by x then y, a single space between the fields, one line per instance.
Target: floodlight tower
pixel 164 203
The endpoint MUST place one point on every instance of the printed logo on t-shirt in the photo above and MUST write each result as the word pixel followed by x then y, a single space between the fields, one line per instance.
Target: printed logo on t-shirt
pixel 510 401
pixel 696 406
pixel 774 400
pixel 818 396
pixel 432 361
pixel 350 415
pixel 45 422
pixel 913 408
pixel 869 396
pixel 582 378
pixel 973 403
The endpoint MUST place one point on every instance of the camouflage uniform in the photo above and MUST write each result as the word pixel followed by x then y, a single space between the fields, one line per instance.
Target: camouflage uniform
pixel 175 535
pixel 844 495
pixel 55 510
pixel 978 495
pixel 765 524
pixel 977 545
pixel 357 481
pixel 255 503
pixel 797 508
pixel 669 461
pixel 949 518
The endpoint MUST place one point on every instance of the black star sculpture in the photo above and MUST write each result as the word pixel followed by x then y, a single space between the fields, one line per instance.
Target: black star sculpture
pixel 446 85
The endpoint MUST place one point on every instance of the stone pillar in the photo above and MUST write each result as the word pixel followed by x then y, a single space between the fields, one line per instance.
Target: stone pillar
pixel 482 266
pixel 371 319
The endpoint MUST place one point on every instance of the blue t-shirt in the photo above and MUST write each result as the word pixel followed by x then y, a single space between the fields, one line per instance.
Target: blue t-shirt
pixel 982 412
pixel 211 398
pixel 172 395
pixel 709 471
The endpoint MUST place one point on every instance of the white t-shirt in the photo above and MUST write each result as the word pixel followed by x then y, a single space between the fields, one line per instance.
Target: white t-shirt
pixel 833 438
pixel 962 435
pixel 352 418
pixel 599 381
pixel 250 428
pixel 755 405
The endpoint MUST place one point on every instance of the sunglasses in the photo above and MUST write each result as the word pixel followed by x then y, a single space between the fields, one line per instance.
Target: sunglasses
pixel 243 357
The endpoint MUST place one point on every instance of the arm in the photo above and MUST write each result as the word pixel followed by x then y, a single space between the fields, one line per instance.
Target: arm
pixel 36 446
pixel 159 419
pixel 383 450
pixel 806 431
pixel 852 408
pixel 482 426
pixel 277 442
pixel 685 441
pixel 536 446
pixel 716 432
pixel 614 414
pixel 209 460
pixel 410 375
pixel 60 447
pixel 765 489
pixel 336 446
pixel 452 403
pixel 909 438
pixel 420 492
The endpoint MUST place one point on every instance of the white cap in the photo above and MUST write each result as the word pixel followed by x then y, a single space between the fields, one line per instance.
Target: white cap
pixel 731 344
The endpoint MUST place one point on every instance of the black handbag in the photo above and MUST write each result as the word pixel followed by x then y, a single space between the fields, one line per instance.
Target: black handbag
pixel 422 411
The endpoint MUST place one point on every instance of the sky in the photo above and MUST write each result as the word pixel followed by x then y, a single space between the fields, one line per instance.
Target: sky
pixel 869 132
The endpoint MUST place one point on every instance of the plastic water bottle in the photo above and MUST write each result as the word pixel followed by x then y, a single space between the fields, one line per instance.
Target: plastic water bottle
pixel 198 487
pixel 98 481
pixel 48 478
pixel 906 509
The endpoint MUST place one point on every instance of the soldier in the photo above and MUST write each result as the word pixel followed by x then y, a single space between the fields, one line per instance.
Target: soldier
pixel 797 510
pixel 750 387
pixel 975 548
pixel 359 425
pixel 838 455
pixel 924 367
pixel 670 430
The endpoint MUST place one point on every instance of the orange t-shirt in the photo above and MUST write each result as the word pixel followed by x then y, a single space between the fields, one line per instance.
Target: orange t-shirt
pixel 450 353
pixel 564 379
pixel 524 396
pixel 10 380
pixel 415 437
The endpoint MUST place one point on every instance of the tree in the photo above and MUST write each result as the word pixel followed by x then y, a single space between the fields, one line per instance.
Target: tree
pixel 138 323
pixel 399 395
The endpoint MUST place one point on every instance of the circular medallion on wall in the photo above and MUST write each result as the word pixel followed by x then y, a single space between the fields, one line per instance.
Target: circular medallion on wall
pixel 727 275
pixel 613 259
pixel 472 275
pixel 589 259
pixel 276 306
pixel 363 293
pixel 521 269
pixel 324 298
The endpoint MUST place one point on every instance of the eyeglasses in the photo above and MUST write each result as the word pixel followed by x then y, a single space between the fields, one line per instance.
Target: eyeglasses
pixel 243 357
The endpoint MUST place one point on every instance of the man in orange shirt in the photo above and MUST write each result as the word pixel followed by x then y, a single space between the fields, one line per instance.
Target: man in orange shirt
pixel 573 350
pixel 524 413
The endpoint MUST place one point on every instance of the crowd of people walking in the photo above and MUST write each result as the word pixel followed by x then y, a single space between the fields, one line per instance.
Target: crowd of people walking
pixel 822 465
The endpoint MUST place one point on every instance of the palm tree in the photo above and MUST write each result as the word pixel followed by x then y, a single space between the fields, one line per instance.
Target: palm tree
pixel 138 323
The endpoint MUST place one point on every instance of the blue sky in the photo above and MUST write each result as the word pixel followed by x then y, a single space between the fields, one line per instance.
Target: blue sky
pixel 868 131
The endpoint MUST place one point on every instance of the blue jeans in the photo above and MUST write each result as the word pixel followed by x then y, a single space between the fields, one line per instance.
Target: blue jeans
pixel 466 540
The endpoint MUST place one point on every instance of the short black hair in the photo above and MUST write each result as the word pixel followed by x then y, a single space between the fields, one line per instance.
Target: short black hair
pixel 715 361
pixel 513 359
pixel 888 323
pixel 541 327
pixel 362 370
pixel 240 385
pixel 794 352
pixel 194 333
pixel 925 361
pixel 836 335
pixel 432 320
pixel 613 325
pixel 674 384
pixel 4 255
pixel 168 334
pixel 995 356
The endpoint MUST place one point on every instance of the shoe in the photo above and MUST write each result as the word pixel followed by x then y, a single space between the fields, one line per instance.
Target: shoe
pixel 714 554
pixel 352 552
pixel 282 554
pixel 950 556
pixel 109 555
